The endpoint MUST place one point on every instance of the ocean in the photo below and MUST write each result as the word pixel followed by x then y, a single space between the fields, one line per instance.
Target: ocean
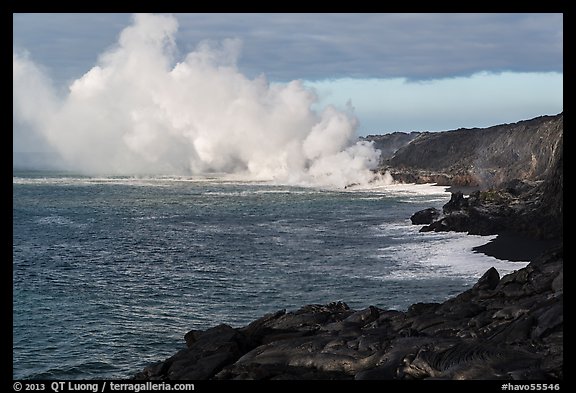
pixel 109 273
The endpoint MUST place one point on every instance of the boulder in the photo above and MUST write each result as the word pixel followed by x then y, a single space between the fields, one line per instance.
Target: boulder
pixel 426 216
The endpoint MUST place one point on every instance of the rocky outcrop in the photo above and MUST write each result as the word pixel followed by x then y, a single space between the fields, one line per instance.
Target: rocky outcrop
pixel 482 213
pixel 532 208
pixel 483 158
pixel 508 328
pixel 426 216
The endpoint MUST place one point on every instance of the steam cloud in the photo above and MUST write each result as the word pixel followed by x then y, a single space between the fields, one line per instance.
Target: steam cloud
pixel 138 111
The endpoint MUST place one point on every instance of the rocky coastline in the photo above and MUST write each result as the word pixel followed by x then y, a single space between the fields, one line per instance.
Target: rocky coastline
pixel 508 328
pixel 503 328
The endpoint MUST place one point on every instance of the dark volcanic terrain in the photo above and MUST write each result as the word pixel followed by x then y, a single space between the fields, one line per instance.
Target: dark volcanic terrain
pixel 488 157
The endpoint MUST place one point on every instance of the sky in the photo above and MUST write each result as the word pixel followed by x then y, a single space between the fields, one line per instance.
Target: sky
pixel 393 72
pixel 400 71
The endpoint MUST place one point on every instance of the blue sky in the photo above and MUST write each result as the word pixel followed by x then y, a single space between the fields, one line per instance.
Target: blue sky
pixel 400 72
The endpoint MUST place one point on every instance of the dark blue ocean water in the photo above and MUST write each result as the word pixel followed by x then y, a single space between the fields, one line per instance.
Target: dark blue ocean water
pixel 110 273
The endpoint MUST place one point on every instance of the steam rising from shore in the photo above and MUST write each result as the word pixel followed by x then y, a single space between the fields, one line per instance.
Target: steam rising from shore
pixel 138 111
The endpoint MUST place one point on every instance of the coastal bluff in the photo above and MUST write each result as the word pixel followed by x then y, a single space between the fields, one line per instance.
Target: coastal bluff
pixel 504 328
pixel 475 157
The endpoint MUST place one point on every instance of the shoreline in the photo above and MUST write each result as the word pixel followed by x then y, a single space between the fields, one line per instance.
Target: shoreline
pixel 510 246
pixel 515 247
pixel 503 328
pixel 506 327
pixel 466 190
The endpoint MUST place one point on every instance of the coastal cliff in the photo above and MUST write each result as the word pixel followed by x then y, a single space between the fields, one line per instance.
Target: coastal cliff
pixel 483 158
pixel 524 197
pixel 507 328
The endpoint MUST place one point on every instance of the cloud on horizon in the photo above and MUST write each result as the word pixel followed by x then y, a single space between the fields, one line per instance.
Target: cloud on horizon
pixel 321 46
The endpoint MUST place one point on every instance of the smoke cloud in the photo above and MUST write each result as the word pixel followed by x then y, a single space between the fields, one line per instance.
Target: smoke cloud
pixel 141 112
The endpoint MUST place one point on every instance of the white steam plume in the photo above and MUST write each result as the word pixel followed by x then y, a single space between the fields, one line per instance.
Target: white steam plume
pixel 140 112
